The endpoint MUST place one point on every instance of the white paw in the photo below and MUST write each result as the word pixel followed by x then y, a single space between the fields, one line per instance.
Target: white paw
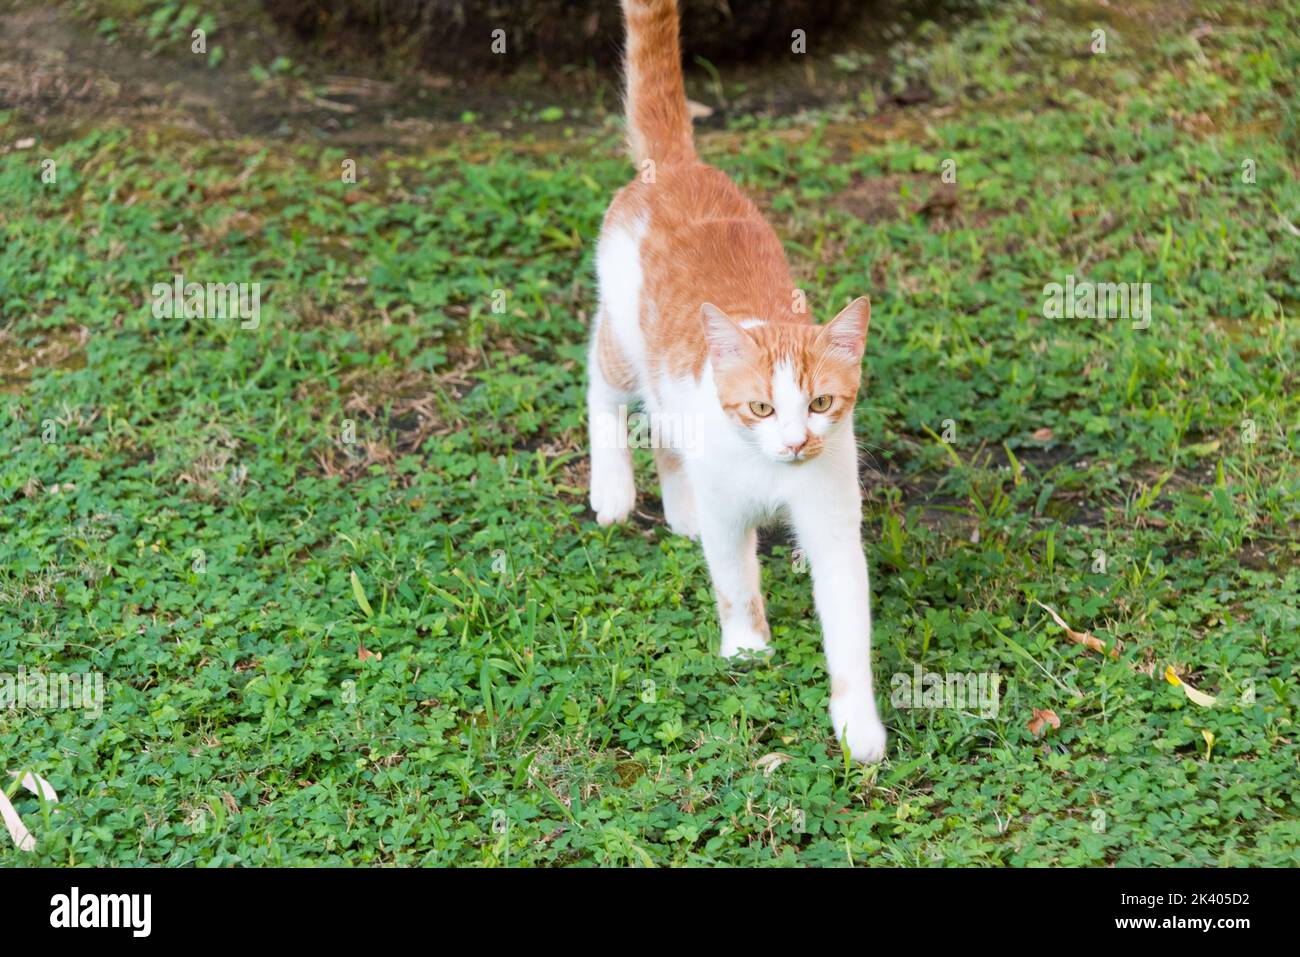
pixel 739 640
pixel 680 516
pixel 613 489
pixel 685 529
pixel 853 716
pixel 679 502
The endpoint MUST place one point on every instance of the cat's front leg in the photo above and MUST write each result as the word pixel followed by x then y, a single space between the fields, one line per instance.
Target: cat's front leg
pixel 731 549
pixel 828 527
pixel 676 492
pixel 610 384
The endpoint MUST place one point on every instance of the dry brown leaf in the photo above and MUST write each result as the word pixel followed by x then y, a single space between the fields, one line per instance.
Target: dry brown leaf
pixel 365 654
pixel 1081 637
pixel 771 761
pixel 23 839
pixel 1042 717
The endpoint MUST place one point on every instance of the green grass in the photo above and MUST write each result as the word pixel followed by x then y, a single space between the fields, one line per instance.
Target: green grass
pixel 547 692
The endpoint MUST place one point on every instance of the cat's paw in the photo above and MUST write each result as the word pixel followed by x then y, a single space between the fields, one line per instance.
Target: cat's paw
pixel 679 502
pixel 685 529
pixel 737 641
pixel 855 721
pixel 613 490
pixel 681 517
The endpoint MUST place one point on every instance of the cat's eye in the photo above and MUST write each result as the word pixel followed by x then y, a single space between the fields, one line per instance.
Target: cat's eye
pixel 760 409
pixel 821 403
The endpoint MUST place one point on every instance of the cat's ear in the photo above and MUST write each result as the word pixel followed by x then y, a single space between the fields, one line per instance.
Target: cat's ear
pixel 846 334
pixel 728 343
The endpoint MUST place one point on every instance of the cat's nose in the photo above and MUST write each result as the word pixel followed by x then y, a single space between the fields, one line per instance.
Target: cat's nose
pixel 794 448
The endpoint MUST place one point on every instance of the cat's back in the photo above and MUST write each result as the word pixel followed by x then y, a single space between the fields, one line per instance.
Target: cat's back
pixel 695 238
pixel 673 197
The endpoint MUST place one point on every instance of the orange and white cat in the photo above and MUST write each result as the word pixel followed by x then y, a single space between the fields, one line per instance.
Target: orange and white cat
pixel 749 403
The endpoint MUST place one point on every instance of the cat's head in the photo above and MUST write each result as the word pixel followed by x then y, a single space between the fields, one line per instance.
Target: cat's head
pixel 790 385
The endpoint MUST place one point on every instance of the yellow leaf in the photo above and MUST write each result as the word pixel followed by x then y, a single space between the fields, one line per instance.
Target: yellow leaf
pixel 1194 696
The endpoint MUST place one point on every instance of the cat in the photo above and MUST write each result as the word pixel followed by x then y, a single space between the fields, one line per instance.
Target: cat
pixel 749 402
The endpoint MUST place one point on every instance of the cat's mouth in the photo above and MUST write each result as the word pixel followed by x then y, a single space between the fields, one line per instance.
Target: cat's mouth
pixel 797 458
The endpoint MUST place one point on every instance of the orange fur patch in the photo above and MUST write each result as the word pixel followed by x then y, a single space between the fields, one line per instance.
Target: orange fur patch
pixel 614 365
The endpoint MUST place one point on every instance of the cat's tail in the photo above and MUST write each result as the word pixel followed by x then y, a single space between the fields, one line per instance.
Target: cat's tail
pixel 658 122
